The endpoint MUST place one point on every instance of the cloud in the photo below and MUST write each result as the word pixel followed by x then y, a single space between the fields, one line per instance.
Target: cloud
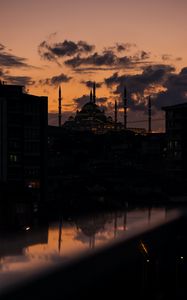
pixel 19 80
pixel 143 55
pixel 9 60
pixel 55 80
pixel 107 59
pixel 138 85
pixel 113 80
pixel 152 74
pixel 80 101
pixel 120 47
pixel 54 51
pixel 169 57
pixel 101 100
pixel 176 90
pixel 90 83
pixel 2 47
pixel 1 73
pixel 80 56
pixel 92 70
pixel 173 87
pixel 166 57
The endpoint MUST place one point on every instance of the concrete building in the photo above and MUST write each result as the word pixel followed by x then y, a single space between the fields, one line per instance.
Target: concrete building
pixel 23 137
pixel 176 136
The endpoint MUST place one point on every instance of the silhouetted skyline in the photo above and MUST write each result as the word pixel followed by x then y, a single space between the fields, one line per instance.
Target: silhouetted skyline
pixel 63 42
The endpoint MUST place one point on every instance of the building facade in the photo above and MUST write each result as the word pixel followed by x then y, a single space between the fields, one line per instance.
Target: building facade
pixel 176 136
pixel 23 137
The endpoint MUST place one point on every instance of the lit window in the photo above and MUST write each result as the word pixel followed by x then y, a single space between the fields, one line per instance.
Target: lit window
pixel 13 158
pixel 35 184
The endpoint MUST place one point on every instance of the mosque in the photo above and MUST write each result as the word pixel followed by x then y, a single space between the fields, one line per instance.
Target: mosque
pixel 91 117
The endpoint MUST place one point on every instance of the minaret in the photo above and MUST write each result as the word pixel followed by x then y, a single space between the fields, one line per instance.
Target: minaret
pixel 125 107
pixel 59 107
pixel 60 235
pixel 91 96
pixel 116 114
pixel 94 92
pixel 149 115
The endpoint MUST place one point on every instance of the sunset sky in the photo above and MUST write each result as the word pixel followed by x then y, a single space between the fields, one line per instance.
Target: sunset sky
pixel 140 44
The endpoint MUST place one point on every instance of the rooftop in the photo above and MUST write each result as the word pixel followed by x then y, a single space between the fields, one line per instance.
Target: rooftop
pixel 176 106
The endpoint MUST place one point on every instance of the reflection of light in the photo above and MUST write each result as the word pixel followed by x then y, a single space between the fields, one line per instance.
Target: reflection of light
pixel 144 247
pixel 147 260
pixel 27 228
pixel 182 257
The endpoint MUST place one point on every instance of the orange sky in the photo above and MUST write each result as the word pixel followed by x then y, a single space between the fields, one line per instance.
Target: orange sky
pixel 156 27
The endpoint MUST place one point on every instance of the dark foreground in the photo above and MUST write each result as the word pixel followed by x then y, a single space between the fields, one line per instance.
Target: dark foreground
pixel 146 263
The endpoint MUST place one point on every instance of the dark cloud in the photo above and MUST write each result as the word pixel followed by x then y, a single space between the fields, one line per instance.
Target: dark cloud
pixel 90 83
pixel 19 80
pixel 80 57
pixel 178 58
pixel 92 70
pixel 152 74
pixel 120 47
pixel 10 61
pixel 166 57
pixel 79 102
pixel 143 55
pixel 101 100
pixel 2 47
pixel 66 48
pixel 183 71
pixel 107 60
pixel 138 84
pixel 113 80
pixel 176 90
pixel 174 87
pixel 1 73
pixel 169 57
pixel 55 80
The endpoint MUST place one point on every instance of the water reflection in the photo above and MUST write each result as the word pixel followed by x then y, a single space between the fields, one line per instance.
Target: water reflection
pixel 35 245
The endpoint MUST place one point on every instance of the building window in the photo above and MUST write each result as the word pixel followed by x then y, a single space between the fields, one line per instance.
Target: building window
pixel 13 158
pixel 35 184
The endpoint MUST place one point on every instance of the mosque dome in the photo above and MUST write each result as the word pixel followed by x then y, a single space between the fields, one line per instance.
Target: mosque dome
pixel 90 117
pixel 90 107
pixel 71 119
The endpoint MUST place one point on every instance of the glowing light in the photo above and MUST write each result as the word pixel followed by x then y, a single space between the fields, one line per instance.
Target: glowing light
pixel 27 228
pixel 144 247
